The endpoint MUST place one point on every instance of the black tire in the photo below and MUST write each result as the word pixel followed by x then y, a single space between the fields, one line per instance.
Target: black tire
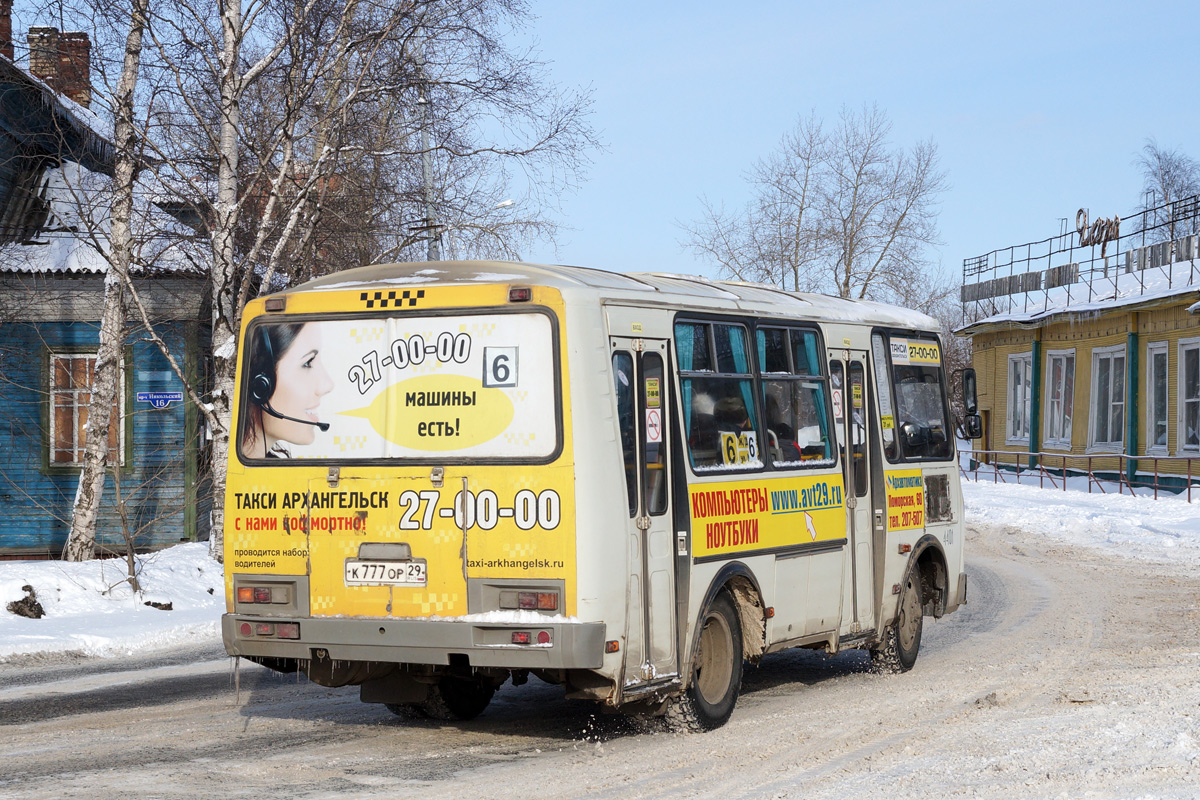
pixel 405 710
pixel 902 639
pixel 457 698
pixel 716 675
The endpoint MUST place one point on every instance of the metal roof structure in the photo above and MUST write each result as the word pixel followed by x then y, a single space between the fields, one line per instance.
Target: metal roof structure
pixel 1155 257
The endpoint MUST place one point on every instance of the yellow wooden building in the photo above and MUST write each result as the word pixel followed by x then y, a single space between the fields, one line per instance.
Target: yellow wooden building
pixel 1087 353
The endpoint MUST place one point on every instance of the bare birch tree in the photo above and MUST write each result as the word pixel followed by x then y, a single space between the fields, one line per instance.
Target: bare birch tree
pixel 296 133
pixel 320 75
pixel 778 237
pixel 1168 176
pixel 81 541
pixel 840 211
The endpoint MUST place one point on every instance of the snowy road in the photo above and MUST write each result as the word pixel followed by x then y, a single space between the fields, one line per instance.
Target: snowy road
pixel 1070 673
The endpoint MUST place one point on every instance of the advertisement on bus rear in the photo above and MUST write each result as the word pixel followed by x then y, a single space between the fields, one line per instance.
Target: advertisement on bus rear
pixel 460 386
pixel 424 414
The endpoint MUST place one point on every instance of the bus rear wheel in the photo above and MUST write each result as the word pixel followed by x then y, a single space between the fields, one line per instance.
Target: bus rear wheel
pixel 902 639
pixel 450 698
pixel 457 698
pixel 716 675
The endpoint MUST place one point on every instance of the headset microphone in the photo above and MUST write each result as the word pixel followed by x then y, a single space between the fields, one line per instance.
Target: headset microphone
pixel 262 384
pixel 323 426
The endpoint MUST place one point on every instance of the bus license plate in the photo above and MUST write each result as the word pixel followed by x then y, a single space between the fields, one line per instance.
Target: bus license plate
pixel 385 573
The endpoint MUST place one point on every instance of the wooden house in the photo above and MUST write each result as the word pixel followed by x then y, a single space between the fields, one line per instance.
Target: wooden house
pixel 56 157
pixel 1087 348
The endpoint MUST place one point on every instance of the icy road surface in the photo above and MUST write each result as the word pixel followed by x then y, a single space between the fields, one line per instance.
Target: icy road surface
pixel 1072 673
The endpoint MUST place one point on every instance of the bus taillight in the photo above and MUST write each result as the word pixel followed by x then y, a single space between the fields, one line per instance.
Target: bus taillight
pixel 287 630
pixel 278 630
pixel 263 594
pixel 529 601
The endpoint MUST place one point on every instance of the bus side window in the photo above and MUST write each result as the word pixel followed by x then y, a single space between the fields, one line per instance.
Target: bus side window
pixel 626 422
pixel 717 389
pixel 837 381
pixel 794 397
pixel 858 426
pixel 653 398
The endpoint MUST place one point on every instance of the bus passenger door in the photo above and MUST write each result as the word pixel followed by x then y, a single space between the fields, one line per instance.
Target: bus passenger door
pixel 849 378
pixel 639 370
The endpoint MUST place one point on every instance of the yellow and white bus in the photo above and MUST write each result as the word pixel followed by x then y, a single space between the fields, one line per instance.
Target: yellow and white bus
pixel 449 475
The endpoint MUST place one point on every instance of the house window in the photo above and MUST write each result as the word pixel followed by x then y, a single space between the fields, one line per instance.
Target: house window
pixel 1108 396
pixel 1020 379
pixel 1189 394
pixel 71 378
pixel 1156 397
pixel 1060 396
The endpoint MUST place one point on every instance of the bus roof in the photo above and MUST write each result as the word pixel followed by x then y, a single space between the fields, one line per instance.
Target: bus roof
pixel 649 288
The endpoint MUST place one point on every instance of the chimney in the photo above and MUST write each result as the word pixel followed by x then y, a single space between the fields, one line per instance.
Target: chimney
pixel 62 60
pixel 43 54
pixel 6 42
pixel 74 67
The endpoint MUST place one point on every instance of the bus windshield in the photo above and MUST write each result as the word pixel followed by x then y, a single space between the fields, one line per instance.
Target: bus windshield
pixel 920 398
pixel 458 386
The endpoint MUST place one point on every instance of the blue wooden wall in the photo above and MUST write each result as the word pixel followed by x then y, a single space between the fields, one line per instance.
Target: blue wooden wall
pixel 159 479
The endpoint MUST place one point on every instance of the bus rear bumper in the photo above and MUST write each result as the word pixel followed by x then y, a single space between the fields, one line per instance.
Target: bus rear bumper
pixel 572 645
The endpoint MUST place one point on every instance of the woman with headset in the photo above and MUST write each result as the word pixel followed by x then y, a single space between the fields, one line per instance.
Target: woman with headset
pixel 287 381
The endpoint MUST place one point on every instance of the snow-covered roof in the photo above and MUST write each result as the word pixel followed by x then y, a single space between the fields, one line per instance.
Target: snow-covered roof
pixel 1124 290
pixel 78 224
pixel 649 287
pixel 93 132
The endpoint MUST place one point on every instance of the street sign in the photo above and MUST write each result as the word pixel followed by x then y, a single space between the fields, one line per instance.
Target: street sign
pixel 160 399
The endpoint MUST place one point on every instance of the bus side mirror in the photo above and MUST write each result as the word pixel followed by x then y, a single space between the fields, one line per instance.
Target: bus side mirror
pixel 970 404
pixel 973 426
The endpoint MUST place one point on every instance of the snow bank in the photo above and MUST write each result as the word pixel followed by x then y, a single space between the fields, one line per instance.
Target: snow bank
pixel 1167 529
pixel 91 610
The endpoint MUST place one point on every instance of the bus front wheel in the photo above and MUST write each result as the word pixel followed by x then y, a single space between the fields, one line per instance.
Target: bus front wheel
pixel 902 639
pixel 716 675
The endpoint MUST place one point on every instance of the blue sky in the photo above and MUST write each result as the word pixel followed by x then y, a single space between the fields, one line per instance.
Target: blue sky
pixel 1038 109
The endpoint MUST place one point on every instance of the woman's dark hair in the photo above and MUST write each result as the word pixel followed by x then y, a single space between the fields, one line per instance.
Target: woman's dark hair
pixel 268 343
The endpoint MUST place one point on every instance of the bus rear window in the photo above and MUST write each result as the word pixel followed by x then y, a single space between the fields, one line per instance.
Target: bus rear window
pixel 454 387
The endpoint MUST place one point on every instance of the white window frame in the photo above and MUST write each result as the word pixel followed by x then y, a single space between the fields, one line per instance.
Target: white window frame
pixel 80 397
pixel 1011 435
pixel 1068 410
pixel 1185 345
pixel 1152 349
pixel 1099 354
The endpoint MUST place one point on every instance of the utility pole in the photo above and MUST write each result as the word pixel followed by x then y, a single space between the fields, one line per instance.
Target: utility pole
pixel 433 251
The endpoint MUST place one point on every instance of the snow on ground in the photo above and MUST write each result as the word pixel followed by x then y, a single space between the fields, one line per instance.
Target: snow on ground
pixel 1167 529
pixel 90 610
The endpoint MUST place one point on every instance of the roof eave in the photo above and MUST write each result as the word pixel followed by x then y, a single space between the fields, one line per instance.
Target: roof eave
pixel 1050 318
